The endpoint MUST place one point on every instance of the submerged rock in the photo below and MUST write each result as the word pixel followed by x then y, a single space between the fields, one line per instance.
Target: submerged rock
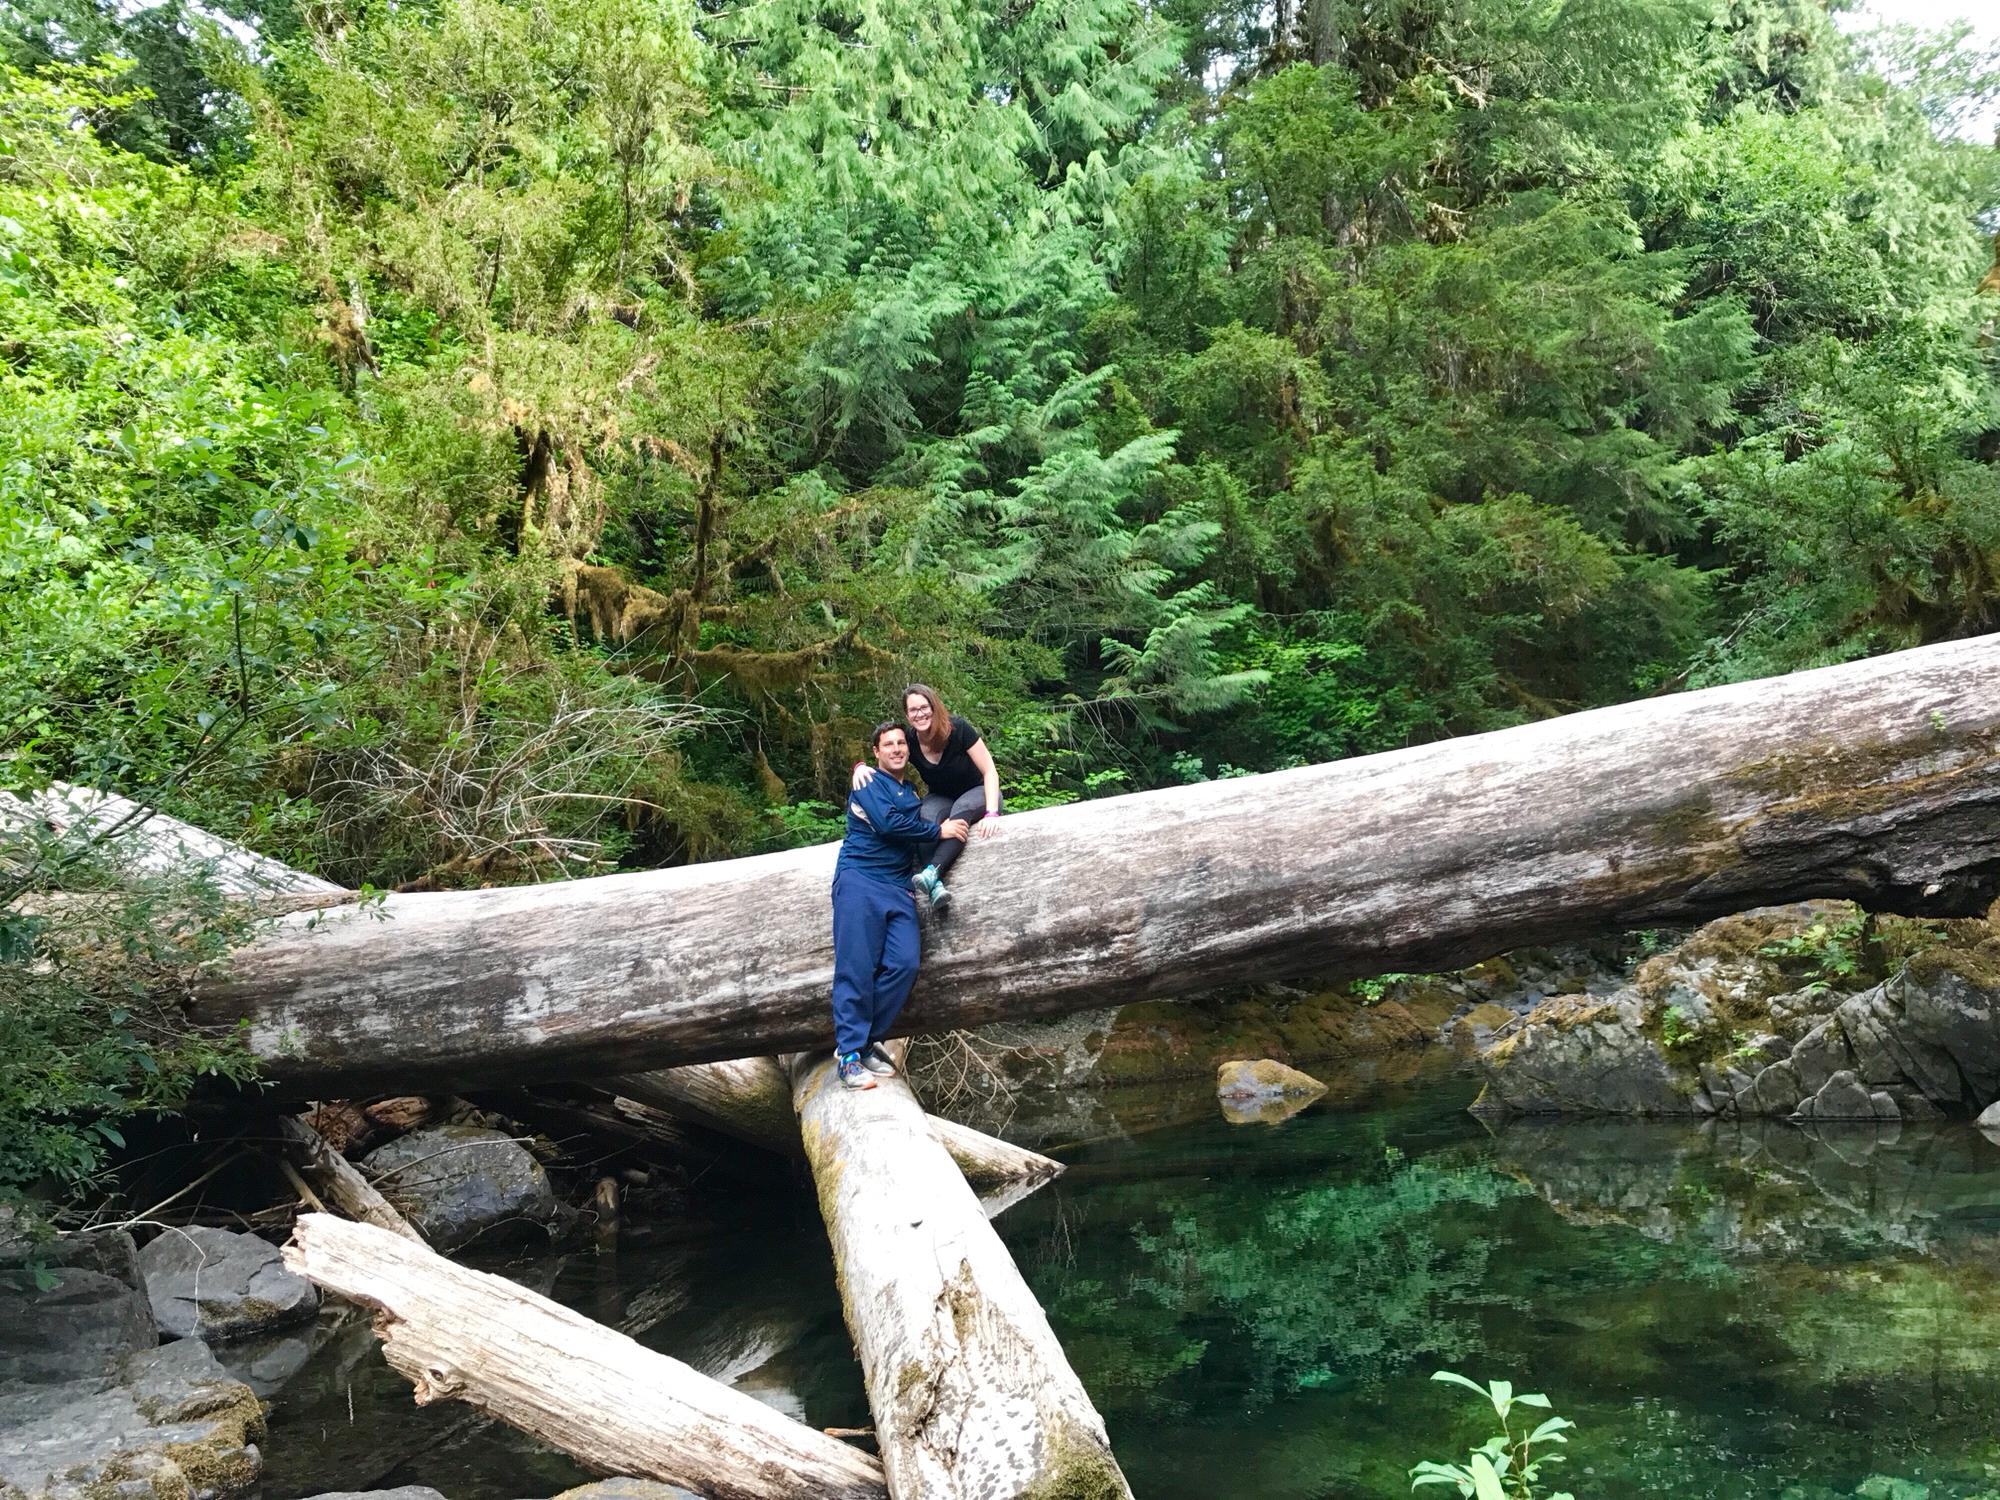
pixel 458 1183
pixel 71 1307
pixel 1263 1093
pixel 170 1423
pixel 1264 1079
pixel 400 1492
pixel 217 1285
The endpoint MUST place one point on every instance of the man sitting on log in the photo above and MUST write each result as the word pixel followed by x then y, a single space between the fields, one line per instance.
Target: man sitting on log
pixel 875 943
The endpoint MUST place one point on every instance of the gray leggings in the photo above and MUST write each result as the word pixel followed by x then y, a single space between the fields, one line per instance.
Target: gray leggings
pixel 970 806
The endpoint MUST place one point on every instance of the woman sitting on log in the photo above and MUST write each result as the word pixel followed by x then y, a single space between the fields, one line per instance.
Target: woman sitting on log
pixel 960 781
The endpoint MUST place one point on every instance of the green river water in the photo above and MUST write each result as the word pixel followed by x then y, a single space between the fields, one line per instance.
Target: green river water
pixel 1725 1311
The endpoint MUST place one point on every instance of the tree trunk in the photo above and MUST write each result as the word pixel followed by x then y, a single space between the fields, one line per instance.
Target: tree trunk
pixel 751 1100
pixel 972 1396
pixel 1878 780
pixel 140 842
pixel 614 1405
pixel 339 1181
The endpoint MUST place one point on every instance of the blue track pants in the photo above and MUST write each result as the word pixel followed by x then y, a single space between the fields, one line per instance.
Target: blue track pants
pixel 875 955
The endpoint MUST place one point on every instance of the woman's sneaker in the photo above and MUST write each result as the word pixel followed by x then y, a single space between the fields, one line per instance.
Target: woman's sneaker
pixel 926 880
pixel 852 1071
pixel 877 1061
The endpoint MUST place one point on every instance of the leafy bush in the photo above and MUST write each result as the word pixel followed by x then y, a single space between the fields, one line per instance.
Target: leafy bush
pixel 93 968
pixel 1506 1466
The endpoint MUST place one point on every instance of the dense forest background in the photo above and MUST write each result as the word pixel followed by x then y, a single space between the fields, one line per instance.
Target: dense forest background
pixel 474 440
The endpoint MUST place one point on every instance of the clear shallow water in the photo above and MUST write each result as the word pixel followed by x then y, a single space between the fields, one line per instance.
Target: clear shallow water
pixel 1737 1313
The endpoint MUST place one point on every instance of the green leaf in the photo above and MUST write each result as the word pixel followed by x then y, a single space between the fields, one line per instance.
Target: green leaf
pixel 1485 1482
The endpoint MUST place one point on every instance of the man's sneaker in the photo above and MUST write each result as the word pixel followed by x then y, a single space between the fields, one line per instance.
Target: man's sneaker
pixel 853 1072
pixel 877 1061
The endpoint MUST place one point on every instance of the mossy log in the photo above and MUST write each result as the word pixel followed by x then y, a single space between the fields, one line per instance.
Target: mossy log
pixel 751 1099
pixel 1878 780
pixel 972 1396
pixel 613 1404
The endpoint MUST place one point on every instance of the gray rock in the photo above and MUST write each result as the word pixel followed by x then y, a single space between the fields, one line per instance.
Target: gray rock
pixel 1989 1117
pixel 216 1284
pixel 458 1183
pixel 1846 1097
pixel 71 1308
pixel 1947 1011
pixel 1580 1055
pixel 400 1492
pixel 1776 1092
pixel 1821 1053
pixel 170 1423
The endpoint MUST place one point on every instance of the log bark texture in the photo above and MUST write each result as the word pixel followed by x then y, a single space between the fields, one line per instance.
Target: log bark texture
pixel 972 1396
pixel 1878 780
pixel 751 1099
pixel 613 1404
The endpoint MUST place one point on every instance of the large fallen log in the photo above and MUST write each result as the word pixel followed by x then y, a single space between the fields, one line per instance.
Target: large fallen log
pixel 972 1396
pixel 751 1099
pixel 1878 780
pixel 614 1405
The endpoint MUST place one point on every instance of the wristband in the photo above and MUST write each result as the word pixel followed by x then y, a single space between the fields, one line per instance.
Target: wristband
pixel 985 816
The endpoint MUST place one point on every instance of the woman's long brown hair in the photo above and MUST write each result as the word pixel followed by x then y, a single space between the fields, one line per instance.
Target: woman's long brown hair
pixel 940 715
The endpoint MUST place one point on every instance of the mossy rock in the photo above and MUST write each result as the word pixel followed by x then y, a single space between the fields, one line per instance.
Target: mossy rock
pixel 1264 1079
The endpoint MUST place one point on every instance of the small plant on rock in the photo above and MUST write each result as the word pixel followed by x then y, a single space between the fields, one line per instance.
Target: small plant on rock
pixel 1505 1466
pixel 1827 951
pixel 1676 1029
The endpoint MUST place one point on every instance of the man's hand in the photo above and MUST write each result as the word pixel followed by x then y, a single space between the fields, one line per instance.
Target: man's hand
pixel 863 774
pixel 953 828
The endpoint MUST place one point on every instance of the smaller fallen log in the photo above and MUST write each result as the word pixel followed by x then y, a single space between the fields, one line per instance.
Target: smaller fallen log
pixel 751 1099
pixel 614 1405
pixel 972 1396
pixel 138 842
pixel 339 1181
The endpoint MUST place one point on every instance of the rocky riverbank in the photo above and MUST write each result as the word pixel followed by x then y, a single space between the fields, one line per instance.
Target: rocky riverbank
pixel 1815 1011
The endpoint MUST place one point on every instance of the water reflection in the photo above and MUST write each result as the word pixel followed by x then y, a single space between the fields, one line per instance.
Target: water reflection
pixel 1730 1311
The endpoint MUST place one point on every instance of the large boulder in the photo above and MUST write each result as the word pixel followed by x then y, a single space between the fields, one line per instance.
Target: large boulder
pixel 169 1423
pixel 1711 1029
pixel 72 1307
pixel 217 1285
pixel 1580 1055
pixel 459 1183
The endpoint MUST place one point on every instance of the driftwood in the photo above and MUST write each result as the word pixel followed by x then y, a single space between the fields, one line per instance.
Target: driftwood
pixel 1878 780
pixel 616 1406
pixel 339 1181
pixel 972 1396
pixel 750 1099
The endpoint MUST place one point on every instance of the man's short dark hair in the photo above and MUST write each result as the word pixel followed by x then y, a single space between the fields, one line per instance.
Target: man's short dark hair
pixel 875 739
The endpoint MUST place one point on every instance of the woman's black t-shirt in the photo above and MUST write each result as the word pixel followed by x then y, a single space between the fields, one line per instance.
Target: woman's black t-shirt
pixel 952 774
